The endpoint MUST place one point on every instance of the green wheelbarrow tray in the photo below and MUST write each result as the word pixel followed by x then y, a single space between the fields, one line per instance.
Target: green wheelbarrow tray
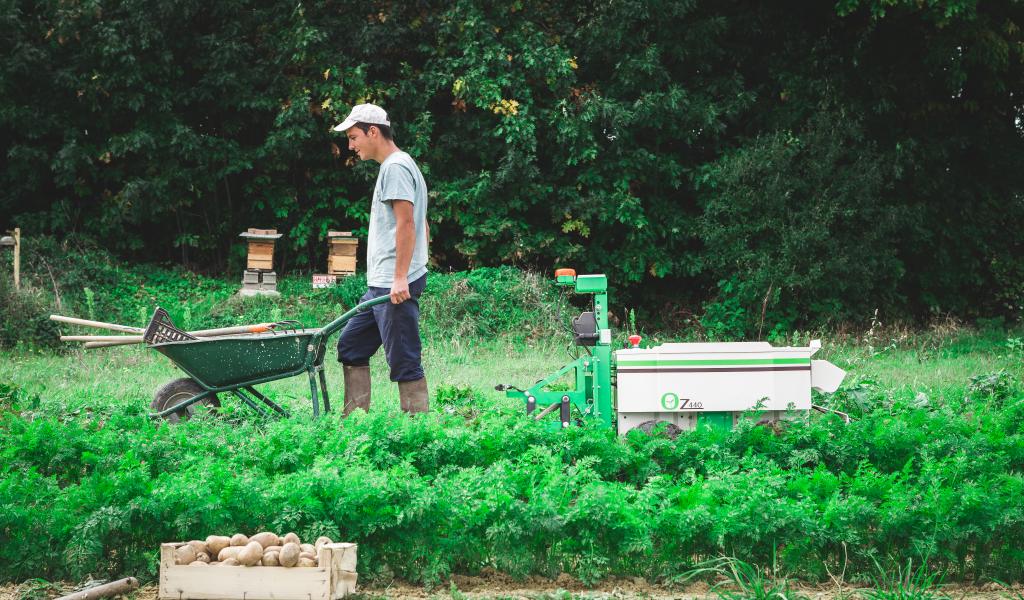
pixel 236 363
pixel 221 363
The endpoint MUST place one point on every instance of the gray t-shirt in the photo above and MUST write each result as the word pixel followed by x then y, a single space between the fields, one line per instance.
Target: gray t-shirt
pixel 399 179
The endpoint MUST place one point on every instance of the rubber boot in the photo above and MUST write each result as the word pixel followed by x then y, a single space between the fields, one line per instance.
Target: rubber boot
pixel 413 396
pixel 357 389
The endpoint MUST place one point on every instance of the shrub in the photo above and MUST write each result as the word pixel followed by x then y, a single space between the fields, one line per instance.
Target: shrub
pixel 24 317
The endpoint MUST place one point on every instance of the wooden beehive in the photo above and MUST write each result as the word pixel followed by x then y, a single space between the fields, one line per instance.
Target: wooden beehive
pixel 261 249
pixel 341 258
pixel 334 578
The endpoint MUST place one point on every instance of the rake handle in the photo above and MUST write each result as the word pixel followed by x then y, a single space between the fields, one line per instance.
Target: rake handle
pixel 124 339
pixel 96 324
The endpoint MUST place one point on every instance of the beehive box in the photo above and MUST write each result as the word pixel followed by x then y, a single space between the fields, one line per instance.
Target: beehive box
pixel 341 258
pixel 261 248
pixel 334 578
pixel 261 256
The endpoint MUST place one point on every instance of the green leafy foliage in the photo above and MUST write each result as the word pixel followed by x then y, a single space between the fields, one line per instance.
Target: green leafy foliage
pixel 799 216
pixel 478 486
pixel 811 161
pixel 24 317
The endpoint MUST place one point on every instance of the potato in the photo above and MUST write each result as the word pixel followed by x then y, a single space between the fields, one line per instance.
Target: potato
pixel 289 556
pixel 307 548
pixel 308 555
pixel 290 537
pixel 184 554
pixel 216 543
pixel 270 559
pixel 251 554
pixel 306 562
pixel 265 539
pixel 320 541
pixel 229 552
pixel 203 557
pixel 197 563
pixel 215 563
pixel 230 562
pixel 239 539
pixel 272 549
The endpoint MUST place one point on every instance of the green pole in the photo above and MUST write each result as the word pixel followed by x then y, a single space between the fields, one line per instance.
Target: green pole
pixel 603 362
pixel 600 391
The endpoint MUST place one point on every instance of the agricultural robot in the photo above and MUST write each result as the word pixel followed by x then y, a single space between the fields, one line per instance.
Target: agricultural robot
pixel 683 384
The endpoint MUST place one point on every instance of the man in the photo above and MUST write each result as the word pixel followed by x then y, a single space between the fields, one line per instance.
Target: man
pixel 396 265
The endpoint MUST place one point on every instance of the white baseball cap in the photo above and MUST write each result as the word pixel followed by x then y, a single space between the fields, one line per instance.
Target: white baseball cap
pixel 364 113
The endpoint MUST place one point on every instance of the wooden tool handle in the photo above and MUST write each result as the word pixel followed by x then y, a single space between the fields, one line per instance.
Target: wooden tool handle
pixel 126 339
pixel 91 345
pixel 97 324
pixel 121 586
pixel 260 328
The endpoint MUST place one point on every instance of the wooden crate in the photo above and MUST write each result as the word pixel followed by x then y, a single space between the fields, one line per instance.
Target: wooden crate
pixel 334 578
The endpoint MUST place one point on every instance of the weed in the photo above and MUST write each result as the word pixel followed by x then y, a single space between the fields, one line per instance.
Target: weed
pixel 457 399
pixel 14 398
pixel 906 584
pixel 998 386
pixel 90 303
pixel 37 589
pixel 741 580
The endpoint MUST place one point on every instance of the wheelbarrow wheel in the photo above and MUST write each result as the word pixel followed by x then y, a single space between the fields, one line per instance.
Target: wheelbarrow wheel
pixel 177 391
pixel 670 430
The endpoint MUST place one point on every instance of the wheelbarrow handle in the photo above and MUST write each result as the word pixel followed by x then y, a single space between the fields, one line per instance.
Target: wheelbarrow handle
pixel 335 325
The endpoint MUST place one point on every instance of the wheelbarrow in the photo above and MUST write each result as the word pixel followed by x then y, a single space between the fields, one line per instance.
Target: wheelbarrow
pixel 234 364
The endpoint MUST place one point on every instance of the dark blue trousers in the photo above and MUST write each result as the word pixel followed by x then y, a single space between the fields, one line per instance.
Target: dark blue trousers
pixel 395 326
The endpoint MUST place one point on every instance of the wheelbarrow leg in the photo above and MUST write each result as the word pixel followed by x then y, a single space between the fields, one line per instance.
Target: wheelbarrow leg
pixel 312 390
pixel 323 389
pixel 249 402
pixel 267 401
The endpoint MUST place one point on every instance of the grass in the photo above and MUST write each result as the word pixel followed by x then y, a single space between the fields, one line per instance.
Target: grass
pixel 936 366
pixel 107 378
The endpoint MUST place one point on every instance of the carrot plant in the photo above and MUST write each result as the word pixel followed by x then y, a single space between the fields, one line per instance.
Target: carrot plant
pixel 928 470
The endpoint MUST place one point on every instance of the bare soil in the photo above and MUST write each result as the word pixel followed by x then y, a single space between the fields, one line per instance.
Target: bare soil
pixel 494 585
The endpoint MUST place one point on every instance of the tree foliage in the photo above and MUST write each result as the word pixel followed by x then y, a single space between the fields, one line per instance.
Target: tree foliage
pixel 873 142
